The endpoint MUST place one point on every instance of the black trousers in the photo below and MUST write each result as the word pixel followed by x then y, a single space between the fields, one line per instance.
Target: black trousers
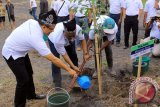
pixel 147 32
pixel 56 72
pixel 23 72
pixel 130 22
pixel 108 53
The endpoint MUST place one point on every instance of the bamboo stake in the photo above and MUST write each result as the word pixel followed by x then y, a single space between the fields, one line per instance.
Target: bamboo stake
pixel 97 51
pixel 98 65
pixel 139 70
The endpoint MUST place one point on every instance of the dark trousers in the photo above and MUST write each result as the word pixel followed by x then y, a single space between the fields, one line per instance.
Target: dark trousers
pixel 108 52
pixel 23 72
pixel 130 22
pixel 61 19
pixel 34 13
pixel 116 18
pixel 56 73
pixel 147 32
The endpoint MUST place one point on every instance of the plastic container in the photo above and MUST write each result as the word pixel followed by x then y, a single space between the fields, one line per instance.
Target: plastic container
pixel 145 59
pixel 135 68
pixel 58 97
pixel 84 82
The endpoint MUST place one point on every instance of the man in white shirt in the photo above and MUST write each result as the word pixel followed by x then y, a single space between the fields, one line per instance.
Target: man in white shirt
pixel 109 30
pixel 116 13
pixel 33 7
pixel 132 9
pixel 27 36
pixel 149 12
pixel 62 8
pixel 80 8
pixel 62 42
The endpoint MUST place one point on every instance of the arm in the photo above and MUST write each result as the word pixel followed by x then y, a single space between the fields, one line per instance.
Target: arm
pixel 89 15
pixel 121 17
pixel 84 46
pixel 60 64
pixel 31 3
pixel 156 4
pixel 89 45
pixel 105 44
pixel 68 60
pixel 71 14
pixel 149 24
pixel 140 13
pixel 124 13
pixel 144 19
pixel 85 52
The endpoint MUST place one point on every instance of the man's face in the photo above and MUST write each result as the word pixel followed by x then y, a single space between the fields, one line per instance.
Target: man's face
pixel 48 29
pixel 158 19
pixel 70 34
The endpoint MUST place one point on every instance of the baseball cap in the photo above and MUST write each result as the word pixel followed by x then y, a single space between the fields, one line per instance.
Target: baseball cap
pixel 48 18
pixel 108 25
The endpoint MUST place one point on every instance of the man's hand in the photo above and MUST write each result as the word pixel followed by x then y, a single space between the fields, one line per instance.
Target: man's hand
pixel 73 73
pixel 76 69
pixel 86 57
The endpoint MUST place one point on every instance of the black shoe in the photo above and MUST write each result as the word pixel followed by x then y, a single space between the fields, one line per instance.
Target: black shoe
pixel 125 47
pixel 37 97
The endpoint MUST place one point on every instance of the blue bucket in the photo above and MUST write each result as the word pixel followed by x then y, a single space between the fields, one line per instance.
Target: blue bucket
pixel 84 82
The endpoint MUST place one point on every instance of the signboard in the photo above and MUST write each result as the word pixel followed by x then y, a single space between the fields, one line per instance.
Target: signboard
pixel 141 49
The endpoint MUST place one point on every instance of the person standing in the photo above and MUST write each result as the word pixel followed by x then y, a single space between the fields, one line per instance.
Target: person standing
pixel 2 15
pixel 80 9
pixel 62 8
pixel 62 42
pixel 116 13
pixel 10 11
pixel 28 36
pixel 132 11
pixel 43 6
pixel 33 7
pixel 149 12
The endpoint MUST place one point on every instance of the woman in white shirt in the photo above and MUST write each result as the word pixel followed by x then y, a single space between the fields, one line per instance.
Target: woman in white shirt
pixel 27 36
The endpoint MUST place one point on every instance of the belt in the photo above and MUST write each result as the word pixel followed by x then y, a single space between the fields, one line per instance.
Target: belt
pixel 63 16
pixel 132 16
pixel 82 17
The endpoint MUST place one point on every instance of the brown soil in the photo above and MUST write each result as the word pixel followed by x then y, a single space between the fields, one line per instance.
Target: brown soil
pixel 115 89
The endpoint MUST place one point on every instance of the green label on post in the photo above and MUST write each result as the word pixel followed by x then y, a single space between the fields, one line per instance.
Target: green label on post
pixel 136 47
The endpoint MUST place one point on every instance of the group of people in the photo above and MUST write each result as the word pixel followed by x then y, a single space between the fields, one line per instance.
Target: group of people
pixel 9 7
pixel 64 28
